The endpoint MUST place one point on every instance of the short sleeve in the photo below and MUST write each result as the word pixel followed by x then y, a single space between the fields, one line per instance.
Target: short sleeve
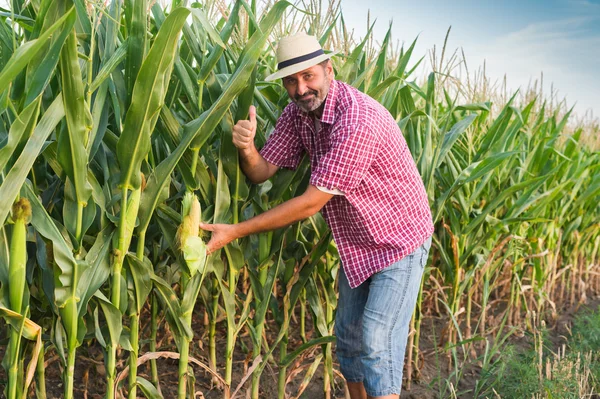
pixel 284 147
pixel 344 166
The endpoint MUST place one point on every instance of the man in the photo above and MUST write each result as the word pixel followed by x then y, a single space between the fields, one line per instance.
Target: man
pixel 366 184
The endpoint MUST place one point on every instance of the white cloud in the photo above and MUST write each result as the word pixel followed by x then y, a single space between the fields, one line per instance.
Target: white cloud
pixel 566 51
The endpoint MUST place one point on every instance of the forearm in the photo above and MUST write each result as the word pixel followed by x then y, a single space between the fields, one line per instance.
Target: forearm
pixel 254 166
pixel 283 215
pixel 289 212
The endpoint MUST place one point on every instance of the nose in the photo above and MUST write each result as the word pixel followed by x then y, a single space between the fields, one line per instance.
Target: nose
pixel 302 88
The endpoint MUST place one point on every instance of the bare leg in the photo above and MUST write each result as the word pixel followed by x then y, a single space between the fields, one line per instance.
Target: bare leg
pixel 393 396
pixel 357 390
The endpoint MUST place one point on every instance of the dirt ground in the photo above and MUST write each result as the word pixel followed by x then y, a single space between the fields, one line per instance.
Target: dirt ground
pixel 90 374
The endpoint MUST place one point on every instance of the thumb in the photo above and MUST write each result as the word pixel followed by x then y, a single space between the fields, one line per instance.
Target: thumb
pixel 252 115
pixel 206 226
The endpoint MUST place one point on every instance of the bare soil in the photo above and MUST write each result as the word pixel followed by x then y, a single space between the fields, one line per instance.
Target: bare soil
pixel 434 371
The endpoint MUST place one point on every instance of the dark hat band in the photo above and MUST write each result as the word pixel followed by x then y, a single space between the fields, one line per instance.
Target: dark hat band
pixel 302 58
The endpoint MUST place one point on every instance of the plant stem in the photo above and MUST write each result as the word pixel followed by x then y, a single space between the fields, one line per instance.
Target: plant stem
pixel 134 321
pixel 134 334
pixel 70 373
pixel 71 340
pixel 40 386
pixel 13 371
pixel 183 368
pixel 184 352
pixel 79 224
pixel 116 292
pixel 303 315
pixel 213 325
pixel 255 353
pixel 231 327
pixel 118 265
pixel 283 370
pixel 229 353
pixel 154 330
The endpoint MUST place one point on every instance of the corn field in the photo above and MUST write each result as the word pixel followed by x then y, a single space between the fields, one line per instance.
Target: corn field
pixel 115 143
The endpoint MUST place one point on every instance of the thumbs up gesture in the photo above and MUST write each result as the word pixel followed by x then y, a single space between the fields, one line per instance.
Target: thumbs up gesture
pixel 244 131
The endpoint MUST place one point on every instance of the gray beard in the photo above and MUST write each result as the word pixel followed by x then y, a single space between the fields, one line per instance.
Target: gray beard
pixel 315 105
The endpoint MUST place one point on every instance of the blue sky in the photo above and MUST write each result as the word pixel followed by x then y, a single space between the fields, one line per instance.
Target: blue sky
pixel 521 39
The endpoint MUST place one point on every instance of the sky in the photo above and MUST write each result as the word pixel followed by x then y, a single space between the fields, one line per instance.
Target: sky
pixel 517 38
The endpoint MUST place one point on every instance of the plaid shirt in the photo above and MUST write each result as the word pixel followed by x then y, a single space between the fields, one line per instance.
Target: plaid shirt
pixel 384 214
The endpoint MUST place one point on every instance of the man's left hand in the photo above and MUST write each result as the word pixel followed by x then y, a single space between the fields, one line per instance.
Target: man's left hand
pixel 222 234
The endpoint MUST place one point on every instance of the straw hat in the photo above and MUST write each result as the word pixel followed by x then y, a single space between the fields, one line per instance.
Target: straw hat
pixel 296 53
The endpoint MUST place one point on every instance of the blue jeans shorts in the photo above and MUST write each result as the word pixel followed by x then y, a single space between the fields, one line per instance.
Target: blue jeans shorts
pixel 372 321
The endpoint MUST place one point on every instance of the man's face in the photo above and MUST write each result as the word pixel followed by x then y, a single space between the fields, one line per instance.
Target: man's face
pixel 308 88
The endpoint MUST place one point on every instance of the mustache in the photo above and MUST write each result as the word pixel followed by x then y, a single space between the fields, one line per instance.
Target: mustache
pixel 298 97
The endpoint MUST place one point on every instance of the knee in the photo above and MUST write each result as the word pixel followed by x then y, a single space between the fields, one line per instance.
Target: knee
pixel 348 340
pixel 375 340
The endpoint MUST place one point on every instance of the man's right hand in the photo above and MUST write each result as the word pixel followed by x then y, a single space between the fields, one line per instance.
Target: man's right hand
pixel 244 132
pixel 252 163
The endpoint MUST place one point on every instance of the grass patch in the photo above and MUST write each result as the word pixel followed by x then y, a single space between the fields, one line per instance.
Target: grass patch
pixel 541 371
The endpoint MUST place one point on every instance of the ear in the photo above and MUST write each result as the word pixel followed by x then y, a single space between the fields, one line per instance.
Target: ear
pixel 329 68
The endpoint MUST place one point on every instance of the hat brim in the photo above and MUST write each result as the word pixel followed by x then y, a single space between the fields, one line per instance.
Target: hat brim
pixel 292 69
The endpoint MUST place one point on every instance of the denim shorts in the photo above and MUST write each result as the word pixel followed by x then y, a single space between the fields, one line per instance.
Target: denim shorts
pixel 372 321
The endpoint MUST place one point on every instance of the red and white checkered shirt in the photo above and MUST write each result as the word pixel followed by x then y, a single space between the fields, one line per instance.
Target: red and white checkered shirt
pixel 384 214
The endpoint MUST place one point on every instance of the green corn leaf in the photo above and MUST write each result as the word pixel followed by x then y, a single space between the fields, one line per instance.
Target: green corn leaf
pixel 140 272
pixel 42 67
pixel 72 141
pixel 404 59
pixel 27 51
pixel 113 318
pixel 473 172
pixel 70 214
pixel 20 130
pixel 377 91
pixel 290 357
pixel 147 388
pixel 109 66
pixel 133 204
pixel 136 50
pixel 18 173
pixel 316 304
pixel 190 296
pixel 496 132
pixel 450 138
pixel 61 249
pixel 147 98
pixel 352 61
pixel 30 331
pixel 223 198
pixel 96 275
pixel 486 106
pixel 199 130
pixel 194 254
pixel 267 289
pixel 476 222
pixel 379 71
pixel 209 64
pixel 172 308
pixel 212 33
